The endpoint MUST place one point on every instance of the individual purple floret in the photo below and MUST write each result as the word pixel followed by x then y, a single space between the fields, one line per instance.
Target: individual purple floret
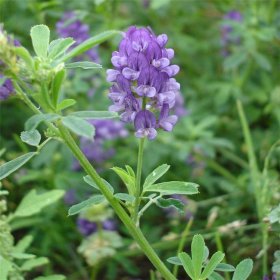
pixel 6 87
pixel 70 197
pixel 86 227
pixel 109 225
pixel 272 278
pixel 71 26
pixel 227 38
pixel 144 89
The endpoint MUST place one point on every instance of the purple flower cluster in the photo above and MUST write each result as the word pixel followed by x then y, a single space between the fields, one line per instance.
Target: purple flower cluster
pixel 71 26
pixel 104 130
pixel 227 38
pixel 6 87
pixel 87 227
pixel 144 88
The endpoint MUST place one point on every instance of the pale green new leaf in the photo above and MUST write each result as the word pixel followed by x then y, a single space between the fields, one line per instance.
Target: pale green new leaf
pixel 31 137
pixel 65 104
pixel 59 47
pixel 243 270
pixel 40 35
pixel 212 264
pixel 79 126
pixel 34 202
pixel 155 175
pixel 187 264
pixel 128 180
pixel 9 167
pixel 197 248
pixel 173 187
pixel 77 208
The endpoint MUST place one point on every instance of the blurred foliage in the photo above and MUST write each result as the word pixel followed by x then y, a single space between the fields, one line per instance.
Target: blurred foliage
pixel 207 145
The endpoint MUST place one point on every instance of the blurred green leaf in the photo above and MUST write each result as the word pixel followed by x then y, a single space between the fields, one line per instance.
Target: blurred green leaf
pixel 83 64
pixel 33 202
pixel 30 264
pixel 234 60
pixel 9 167
pixel 77 208
pixel 6 266
pixel 98 115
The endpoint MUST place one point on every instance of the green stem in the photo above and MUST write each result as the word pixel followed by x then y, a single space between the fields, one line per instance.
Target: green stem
pixel 255 178
pixel 138 179
pixel 182 243
pixel 220 247
pixel 130 225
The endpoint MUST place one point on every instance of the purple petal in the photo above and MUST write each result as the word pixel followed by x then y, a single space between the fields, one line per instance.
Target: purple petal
pixel 112 75
pixel 171 70
pixel 145 90
pixel 130 74
pixel 162 40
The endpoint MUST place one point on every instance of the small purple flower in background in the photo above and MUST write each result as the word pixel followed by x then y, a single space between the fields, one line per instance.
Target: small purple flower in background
pixel 109 224
pixel 104 130
pixel 227 37
pixel 144 90
pixel 87 227
pixel 71 26
pixel 196 163
pixel 6 87
pixel 70 197
pixel 274 277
